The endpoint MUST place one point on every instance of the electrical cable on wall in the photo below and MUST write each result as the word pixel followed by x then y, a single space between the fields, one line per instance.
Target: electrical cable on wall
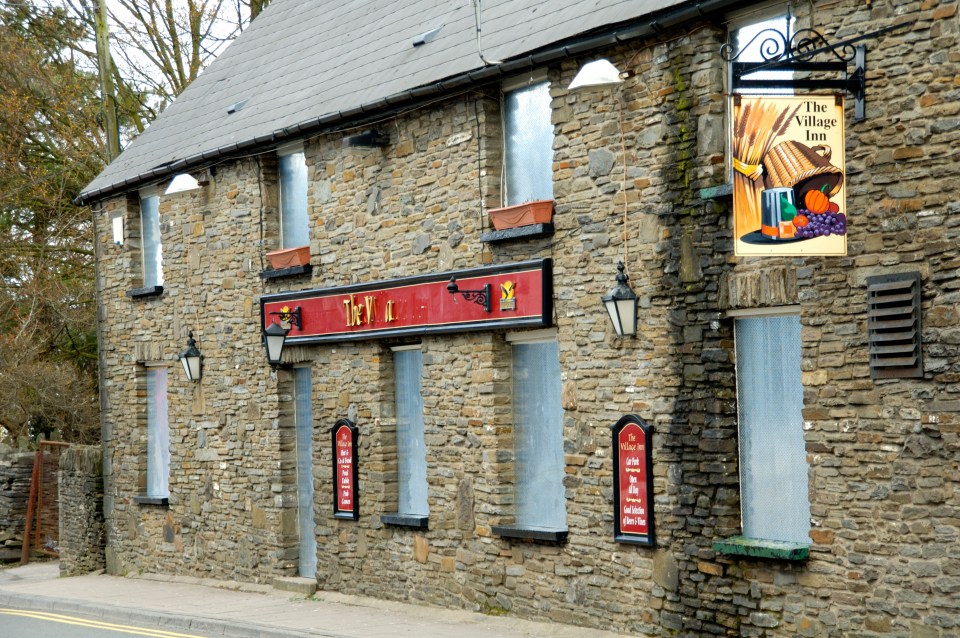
pixel 260 191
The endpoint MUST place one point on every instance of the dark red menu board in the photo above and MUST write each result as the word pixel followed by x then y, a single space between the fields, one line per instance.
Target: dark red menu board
pixel 633 492
pixel 345 470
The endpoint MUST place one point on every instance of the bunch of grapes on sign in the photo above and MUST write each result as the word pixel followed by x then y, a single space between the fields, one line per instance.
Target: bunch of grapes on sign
pixel 820 218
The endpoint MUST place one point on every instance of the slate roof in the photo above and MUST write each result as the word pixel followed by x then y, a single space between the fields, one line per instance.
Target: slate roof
pixel 305 64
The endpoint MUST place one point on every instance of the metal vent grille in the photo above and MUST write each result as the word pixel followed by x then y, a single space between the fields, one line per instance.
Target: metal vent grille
pixel 893 325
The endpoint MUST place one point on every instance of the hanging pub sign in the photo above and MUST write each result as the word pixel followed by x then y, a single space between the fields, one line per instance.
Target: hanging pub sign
pixel 517 295
pixel 633 481
pixel 788 175
pixel 346 503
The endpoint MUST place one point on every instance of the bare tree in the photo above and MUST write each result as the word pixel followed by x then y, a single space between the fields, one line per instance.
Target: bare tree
pixel 159 46
pixel 51 146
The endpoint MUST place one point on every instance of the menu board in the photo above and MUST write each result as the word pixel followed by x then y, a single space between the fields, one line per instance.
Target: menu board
pixel 633 491
pixel 345 473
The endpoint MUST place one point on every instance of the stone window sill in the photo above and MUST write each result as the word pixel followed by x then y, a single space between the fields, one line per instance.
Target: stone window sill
pixel 521 232
pixel 147 291
pixel 530 533
pixel 405 520
pixel 152 500
pixel 292 271
pixel 762 548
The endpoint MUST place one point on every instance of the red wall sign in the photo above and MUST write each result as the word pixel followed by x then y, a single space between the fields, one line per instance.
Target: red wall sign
pixel 345 472
pixel 633 491
pixel 521 295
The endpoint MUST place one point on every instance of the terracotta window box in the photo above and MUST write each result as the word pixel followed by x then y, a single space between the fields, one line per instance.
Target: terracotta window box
pixel 526 214
pixel 289 257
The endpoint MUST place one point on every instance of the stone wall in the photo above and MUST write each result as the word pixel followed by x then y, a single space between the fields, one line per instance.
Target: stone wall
pixel 16 468
pixel 82 537
pixel 883 455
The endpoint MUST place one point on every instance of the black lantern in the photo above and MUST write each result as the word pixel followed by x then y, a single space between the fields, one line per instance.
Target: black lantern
pixel 191 359
pixel 621 305
pixel 274 337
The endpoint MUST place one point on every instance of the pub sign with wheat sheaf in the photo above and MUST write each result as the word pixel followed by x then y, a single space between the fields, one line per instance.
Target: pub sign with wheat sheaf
pixel 788 168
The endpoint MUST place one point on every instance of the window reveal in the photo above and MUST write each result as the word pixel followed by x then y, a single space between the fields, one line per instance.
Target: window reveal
pixel 411 449
pixel 303 418
pixel 151 243
pixel 538 437
pixel 158 434
pixel 775 502
pixel 528 144
pixel 294 225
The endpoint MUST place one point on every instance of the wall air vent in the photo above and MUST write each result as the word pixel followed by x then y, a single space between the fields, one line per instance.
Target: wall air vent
pixel 893 325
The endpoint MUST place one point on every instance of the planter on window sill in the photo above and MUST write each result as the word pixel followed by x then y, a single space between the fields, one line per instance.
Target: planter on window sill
pixel 538 212
pixel 289 257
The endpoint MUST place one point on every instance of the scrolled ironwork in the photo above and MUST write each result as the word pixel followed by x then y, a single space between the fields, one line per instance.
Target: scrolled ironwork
pixel 797 54
pixel 479 297
pixel 774 46
pixel 808 43
pixel 482 297
pixel 802 46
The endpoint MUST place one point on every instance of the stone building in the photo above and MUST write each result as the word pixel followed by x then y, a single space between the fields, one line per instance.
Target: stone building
pixel 802 479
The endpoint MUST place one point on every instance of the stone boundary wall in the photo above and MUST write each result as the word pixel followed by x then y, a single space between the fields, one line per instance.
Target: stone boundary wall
pixel 15 471
pixel 82 533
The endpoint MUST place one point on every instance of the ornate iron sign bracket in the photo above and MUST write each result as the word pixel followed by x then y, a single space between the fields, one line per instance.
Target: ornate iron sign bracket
pixel 796 54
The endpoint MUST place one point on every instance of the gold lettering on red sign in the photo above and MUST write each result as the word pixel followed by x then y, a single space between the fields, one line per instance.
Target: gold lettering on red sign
pixel 355 311
pixel 370 305
pixel 348 306
pixel 391 312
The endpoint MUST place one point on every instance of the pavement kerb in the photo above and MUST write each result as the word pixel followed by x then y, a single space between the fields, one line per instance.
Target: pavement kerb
pixel 186 604
pixel 227 585
pixel 164 620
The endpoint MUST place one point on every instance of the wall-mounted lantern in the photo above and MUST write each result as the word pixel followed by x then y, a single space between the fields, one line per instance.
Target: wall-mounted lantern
pixel 621 305
pixel 192 359
pixel 275 336
pixel 368 139
pixel 597 74
pixel 480 297
pixel 181 183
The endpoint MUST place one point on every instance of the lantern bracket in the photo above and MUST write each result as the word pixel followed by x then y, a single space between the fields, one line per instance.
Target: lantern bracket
pixel 289 317
pixel 482 297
